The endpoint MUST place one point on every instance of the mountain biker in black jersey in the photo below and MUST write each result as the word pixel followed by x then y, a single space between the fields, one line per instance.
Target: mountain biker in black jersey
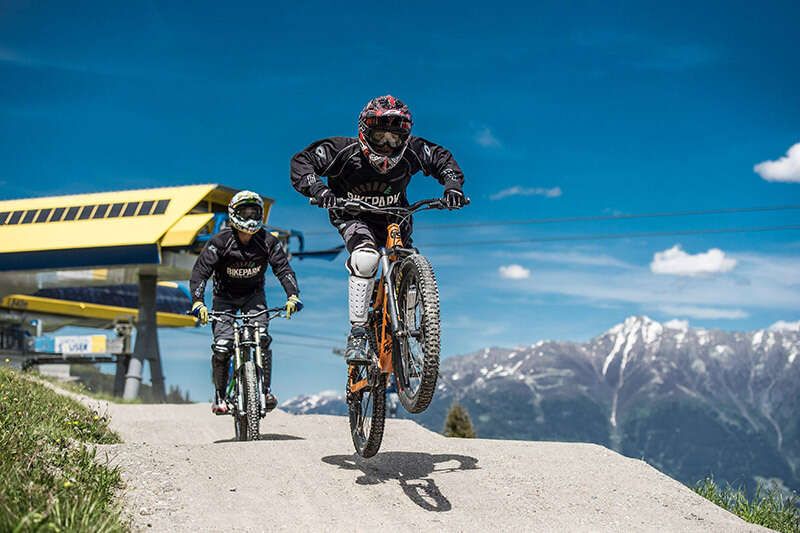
pixel 237 257
pixel 376 168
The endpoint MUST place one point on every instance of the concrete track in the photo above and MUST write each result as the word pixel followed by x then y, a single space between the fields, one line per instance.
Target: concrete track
pixel 183 472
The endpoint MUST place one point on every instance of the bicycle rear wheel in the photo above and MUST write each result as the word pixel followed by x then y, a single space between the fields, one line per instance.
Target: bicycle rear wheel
pixel 367 409
pixel 418 303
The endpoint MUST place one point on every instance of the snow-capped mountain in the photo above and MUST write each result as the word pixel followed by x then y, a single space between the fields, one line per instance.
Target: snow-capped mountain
pixel 323 403
pixel 691 401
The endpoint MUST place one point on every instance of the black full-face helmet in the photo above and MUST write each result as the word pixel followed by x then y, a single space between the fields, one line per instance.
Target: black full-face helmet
pixel 384 127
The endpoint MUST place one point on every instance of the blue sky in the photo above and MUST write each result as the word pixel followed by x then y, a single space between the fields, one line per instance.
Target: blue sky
pixel 552 110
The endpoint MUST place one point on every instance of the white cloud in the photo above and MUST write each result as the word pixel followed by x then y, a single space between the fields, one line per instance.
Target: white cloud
pixel 761 282
pixel 571 257
pixel 677 324
pixel 782 325
pixel 514 272
pixel 516 190
pixel 786 168
pixel 704 312
pixel 486 138
pixel 676 262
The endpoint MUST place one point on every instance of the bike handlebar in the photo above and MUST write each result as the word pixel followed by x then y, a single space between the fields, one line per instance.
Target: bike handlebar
pixel 217 315
pixel 353 205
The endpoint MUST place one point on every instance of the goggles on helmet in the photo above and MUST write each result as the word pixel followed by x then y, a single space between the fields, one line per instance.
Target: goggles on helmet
pixel 249 212
pixel 387 138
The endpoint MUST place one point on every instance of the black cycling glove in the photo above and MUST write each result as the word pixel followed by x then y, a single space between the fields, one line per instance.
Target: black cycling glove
pixel 454 199
pixel 325 198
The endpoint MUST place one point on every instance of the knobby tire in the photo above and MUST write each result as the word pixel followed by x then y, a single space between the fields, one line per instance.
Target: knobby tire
pixel 416 271
pixel 367 410
pixel 252 412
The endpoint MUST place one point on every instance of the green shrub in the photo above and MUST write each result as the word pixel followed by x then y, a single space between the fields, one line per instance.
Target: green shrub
pixel 51 480
pixel 767 508
pixel 458 423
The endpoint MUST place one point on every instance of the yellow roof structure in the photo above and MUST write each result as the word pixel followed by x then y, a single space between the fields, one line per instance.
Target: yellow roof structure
pixel 87 312
pixel 111 219
pixel 107 238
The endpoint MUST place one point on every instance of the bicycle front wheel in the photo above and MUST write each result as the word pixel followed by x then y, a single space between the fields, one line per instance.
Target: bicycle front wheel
pixel 252 410
pixel 366 401
pixel 418 302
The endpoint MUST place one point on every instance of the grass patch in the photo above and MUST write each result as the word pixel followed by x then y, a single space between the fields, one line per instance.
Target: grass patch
pixel 767 508
pixel 78 387
pixel 50 479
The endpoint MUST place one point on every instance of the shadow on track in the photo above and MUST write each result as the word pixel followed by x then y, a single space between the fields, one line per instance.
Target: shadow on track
pixel 265 436
pixel 410 469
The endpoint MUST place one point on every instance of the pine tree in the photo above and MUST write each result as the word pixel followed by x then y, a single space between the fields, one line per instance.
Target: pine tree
pixel 458 423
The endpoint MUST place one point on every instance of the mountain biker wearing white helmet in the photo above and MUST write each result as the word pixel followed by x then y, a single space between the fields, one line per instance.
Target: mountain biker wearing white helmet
pixel 376 168
pixel 237 257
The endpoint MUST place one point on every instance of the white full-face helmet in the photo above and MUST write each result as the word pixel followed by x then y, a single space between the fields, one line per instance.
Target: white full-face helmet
pixel 246 212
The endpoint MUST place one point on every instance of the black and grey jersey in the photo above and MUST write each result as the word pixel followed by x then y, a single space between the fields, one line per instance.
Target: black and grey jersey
pixel 238 269
pixel 350 175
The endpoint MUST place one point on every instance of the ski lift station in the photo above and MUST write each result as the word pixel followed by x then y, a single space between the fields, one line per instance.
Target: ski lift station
pixel 105 260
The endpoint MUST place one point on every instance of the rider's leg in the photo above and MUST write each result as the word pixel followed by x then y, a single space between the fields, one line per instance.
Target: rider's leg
pixel 266 358
pixel 360 240
pixel 362 265
pixel 222 350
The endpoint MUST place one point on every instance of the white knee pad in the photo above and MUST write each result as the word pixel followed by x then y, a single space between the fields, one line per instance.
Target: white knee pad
pixel 359 294
pixel 363 262
pixel 362 265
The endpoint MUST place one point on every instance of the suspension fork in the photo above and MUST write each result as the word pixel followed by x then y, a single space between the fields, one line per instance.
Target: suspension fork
pixel 388 286
pixel 237 354
pixel 237 351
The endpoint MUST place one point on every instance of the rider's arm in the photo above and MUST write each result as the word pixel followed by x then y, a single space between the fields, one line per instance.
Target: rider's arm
pixel 280 267
pixel 438 162
pixel 321 158
pixel 203 268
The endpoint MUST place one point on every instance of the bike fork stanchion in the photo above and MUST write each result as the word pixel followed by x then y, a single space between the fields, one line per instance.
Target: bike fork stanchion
pixel 386 266
pixel 237 354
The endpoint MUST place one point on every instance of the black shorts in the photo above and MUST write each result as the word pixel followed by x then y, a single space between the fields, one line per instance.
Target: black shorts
pixel 246 304
pixel 370 234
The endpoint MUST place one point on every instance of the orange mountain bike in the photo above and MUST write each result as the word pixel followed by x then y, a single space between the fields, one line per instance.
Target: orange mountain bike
pixel 403 329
